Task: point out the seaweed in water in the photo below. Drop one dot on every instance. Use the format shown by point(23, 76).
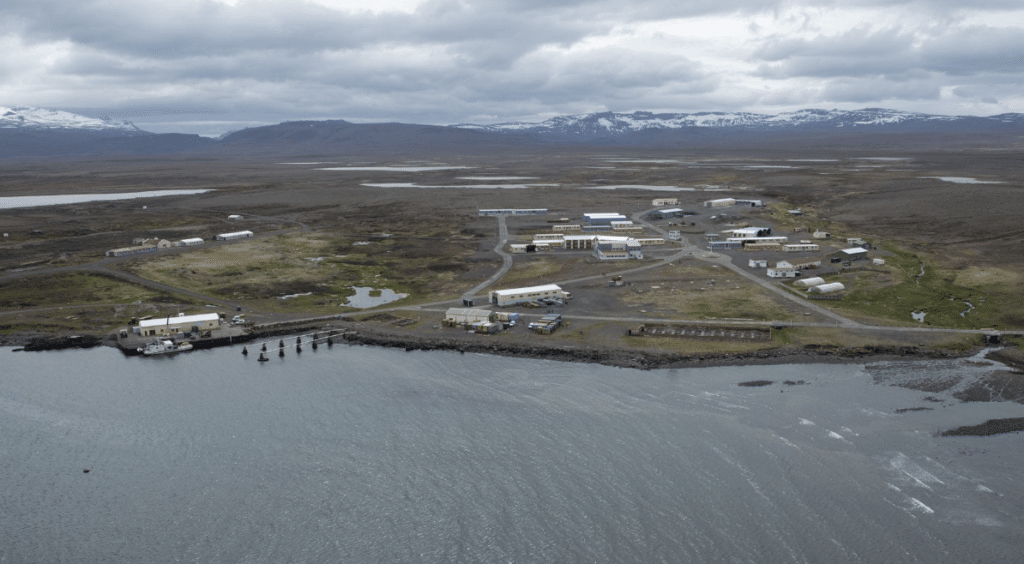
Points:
point(756, 383)
point(990, 427)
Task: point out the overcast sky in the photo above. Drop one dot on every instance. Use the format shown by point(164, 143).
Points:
point(209, 66)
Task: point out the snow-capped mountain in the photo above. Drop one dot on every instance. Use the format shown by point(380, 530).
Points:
point(609, 124)
point(43, 119)
point(38, 132)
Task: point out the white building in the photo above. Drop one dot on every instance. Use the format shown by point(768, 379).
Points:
point(777, 240)
point(799, 264)
point(151, 242)
point(752, 232)
point(549, 237)
point(665, 202)
point(650, 241)
point(757, 263)
point(603, 218)
point(194, 241)
point(467, 315)
point(800, 248)
point(519, 295)
point(580, 242)
point(618, 248)
point(567, 227)
point(720, 203)
point(783, 272)
point(235, 217)
point(181, 323)
point(808, 282)
point(125, 251)
point(235, 235)
point(510, 211)
point(675, 235)
point(856, 253)
point(821, 235)
point(827, 288)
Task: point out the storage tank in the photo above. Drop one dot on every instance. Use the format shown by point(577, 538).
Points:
point(828, 288)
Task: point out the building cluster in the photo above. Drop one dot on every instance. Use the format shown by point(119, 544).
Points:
point(142, 245)
point(623, 244)
point(148, 245)
point(479, 320)
point(669, 213)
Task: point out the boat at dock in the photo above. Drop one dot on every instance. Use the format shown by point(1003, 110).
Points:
point(164, 346)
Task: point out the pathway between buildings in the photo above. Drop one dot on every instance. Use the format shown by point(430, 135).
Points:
point(506, 262)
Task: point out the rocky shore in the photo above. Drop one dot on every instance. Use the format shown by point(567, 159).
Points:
point(647, 360)
point(623, 358)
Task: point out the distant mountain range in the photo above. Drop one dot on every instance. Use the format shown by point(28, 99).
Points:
point(609, 125)
point(35, 132)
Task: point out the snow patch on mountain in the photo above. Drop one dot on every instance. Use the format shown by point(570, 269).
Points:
point(610, 123)
point(24, 117)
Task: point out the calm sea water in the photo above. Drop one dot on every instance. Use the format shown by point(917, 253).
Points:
point(358, 454)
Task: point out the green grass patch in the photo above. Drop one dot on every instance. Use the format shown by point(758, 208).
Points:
point(75, 289)
point(935, 293)
point(325, 266)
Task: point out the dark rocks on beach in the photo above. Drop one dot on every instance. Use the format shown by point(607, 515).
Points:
point(988, 428)
point(63, 342)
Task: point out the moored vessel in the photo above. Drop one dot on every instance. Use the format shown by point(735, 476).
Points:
point(164, 346)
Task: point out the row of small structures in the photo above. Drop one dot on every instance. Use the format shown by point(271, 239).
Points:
point(142, 245)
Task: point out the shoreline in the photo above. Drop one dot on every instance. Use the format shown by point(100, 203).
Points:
point(617, 357)
point(652, 360)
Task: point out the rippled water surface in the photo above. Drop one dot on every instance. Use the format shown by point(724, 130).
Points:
point(355, 454)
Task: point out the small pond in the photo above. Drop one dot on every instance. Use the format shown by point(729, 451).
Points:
point(363, 299)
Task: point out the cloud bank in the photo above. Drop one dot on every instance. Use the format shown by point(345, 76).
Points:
point(208, 66)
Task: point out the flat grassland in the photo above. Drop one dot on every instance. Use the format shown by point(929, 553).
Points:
point(951, 248)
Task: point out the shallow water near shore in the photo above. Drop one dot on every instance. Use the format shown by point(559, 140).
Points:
point(361, 454)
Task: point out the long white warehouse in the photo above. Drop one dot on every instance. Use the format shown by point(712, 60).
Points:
point(179, 324)
point(235, 235)
point(515, 296)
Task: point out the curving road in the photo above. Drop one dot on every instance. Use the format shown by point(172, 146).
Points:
point(506, 262)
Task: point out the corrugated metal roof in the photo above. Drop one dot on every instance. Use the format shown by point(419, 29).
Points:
point(529, 290)
point(179, 320)
point(452, 311)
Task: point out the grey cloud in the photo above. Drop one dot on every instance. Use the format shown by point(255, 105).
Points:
point(867, 90)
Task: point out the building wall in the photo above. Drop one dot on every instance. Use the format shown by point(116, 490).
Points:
point(130, 251)
point(799, 248)
point(521, 297)
point(181, 327)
